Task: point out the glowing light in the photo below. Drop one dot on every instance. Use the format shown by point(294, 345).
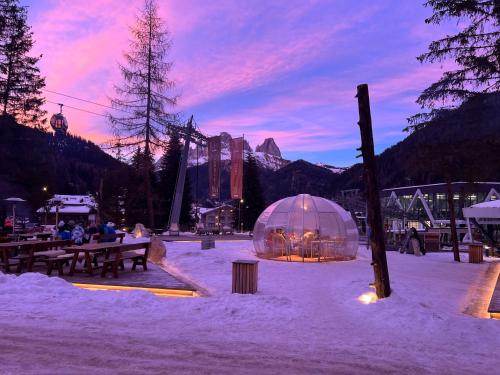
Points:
point(157, 291)
point(367, 298)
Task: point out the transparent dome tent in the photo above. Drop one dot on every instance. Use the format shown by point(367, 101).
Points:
point(305, 228)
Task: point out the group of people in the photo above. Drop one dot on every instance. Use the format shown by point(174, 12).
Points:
point(80, 234)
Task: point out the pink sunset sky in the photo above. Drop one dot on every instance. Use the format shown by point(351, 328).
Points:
point(282, 69)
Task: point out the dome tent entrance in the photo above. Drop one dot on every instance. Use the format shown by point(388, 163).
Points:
point(305, 228)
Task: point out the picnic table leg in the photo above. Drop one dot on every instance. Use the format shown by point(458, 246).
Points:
point(49, 267)
point(5, 256)
point(60, 271)
point(73, 263)
point(116, 264)
point(88, 260)
point(30, 259)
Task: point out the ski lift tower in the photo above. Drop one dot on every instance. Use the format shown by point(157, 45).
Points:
point(190, 134)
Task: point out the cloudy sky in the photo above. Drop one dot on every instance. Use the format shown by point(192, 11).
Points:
point(263, 68)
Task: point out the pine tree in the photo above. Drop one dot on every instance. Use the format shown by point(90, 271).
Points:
point(144, 92)
point(475, 50)
point(169, 168)
point(20, 80)
point(253, 198)
point(136, 193)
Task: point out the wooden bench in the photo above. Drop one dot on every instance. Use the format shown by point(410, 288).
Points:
point(116, 256)
point(494, 307)
point(58, 262)
point(38, 252)
point(108, 237)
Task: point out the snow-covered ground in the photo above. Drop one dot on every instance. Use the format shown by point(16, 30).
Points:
point(306, 318)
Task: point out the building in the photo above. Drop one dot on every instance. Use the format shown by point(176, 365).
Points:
point(427, 205)
point(80, 208)
point(217, 219)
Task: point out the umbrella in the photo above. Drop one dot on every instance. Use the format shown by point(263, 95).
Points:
point(14, 200)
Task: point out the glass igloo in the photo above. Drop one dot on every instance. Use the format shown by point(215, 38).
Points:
point(305, 228)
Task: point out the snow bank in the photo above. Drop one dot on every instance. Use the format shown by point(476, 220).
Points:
point(306, 318)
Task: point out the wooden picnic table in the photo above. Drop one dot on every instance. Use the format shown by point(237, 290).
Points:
point(88, 249)
point(40, 235)
point(114, 253)
point(29, 247)
point(111, 263)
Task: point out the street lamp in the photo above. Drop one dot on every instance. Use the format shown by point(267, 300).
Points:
point(240, 224)
point(46, 205)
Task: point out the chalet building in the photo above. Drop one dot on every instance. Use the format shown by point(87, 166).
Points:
point(80, 208)
point(217, 219)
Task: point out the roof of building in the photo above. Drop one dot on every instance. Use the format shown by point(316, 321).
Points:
point(71, 204)
point(457, 187)
point(68, 210)
point(74, 199)
point(488, 209)
point(206, 210)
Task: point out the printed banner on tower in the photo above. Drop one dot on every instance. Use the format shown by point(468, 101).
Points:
point(214, 154)
point(237, 168)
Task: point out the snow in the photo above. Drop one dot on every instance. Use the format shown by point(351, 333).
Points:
point(306, 318)
point(75, 199)
point(68, 210)
point(71, 204)
point(484, 210)
point(336, 170)
point(490, 204)
point(265, 160)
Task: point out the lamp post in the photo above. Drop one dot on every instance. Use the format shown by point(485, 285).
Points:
point(240, 224)
point(46, 206)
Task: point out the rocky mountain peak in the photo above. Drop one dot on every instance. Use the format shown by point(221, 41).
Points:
point(268, 155)
point(269, 147)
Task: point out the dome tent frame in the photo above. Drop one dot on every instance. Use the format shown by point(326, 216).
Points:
point(305, 228)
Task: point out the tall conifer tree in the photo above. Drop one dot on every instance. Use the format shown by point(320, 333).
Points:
point(143, 97)
point(253, 197)
point(474, 50)
point(20, 79)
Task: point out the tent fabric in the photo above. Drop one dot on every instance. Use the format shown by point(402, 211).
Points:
point(490, 209)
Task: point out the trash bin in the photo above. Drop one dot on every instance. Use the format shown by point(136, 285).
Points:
point(207, 243)
point(476, 253)
point(245, 274)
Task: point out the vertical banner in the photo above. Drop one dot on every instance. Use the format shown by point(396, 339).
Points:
point(214, 155)
point(237, 168)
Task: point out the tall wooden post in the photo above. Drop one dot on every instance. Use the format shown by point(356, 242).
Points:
point(374, 216)
point(175, 212)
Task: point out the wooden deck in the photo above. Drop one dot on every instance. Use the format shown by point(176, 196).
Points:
point(154, 280)
point(494, 308)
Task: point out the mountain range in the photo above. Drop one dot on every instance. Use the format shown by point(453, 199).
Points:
point(471, 134)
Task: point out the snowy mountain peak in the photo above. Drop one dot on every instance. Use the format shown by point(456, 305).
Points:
point(332, 168)
point(267, 155)
point(269, 147)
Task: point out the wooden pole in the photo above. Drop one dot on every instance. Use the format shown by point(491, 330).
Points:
point(453, 222)
point(374, 216)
